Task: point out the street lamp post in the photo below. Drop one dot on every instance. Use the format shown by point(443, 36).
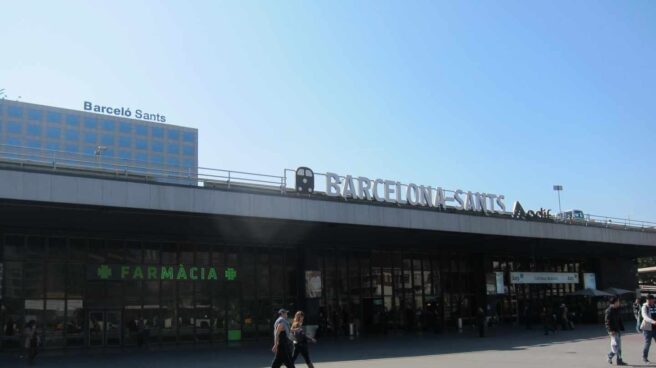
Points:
point(98, 152)
point(558, 189)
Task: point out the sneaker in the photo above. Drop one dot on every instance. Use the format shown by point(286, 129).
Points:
point(610, 360)
point(645, 360)
point(620, 362)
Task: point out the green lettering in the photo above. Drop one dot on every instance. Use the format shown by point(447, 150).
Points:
point(125, 271)
point(152, 273)
point(138, 273)
point(202, 273)
point(182, 274)
point(211, 275)
point(167, 273)
point(192, 273)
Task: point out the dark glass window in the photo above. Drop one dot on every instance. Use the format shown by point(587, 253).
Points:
point(15, 112)
point(72, 148)
point(14, 127)
point(107, 139)
point(124, 141)
point(141, 130)
point(54, 146)
point(54, 117)
point(90, 123)
point(173, 134)
point(73, 120)
point(173, 149)
point(34, 130)
point(108, 125)
point(188, 136)
point(157, 146)
point(33, 143)
point(188, 150)
point(142, 144)
point(54, 133)
point(173, 161)
point(125, 127)
point(157, 132)
point(34, 114)
point(72, 135)
point(90, 137)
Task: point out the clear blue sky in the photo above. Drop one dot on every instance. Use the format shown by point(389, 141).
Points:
point(503, 97)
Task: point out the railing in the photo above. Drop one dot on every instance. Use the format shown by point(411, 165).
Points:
point(99, 165)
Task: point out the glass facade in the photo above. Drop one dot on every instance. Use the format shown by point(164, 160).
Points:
point(115, 143)
point(67, 286)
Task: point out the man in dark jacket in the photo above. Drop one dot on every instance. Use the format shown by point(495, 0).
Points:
point(614, 326)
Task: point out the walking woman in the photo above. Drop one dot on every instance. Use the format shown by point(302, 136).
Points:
point(300, 339)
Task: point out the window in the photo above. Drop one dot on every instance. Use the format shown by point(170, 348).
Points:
point(173, 161)
point(124, 141)
point(108, 125)
point(107, 139)
point(173, 149)
point(141, 130)
point(14, 127)
point(34, 114)
point(34, 130)
point(124, 155)
point(90, 123)
point(72, 135)
point(174, 134)
point(52, 146)
point(72, 148)
point(142, 144)
point(72, 120)
point(90, 137)
point(125, 127)
point(188, 150)
point(188, 163)
point(13, 141)
point(54, 117)
point(141, 156)
point(157, 159)
point(157, 146)
point(89, 150)
point(15, 112)
point(33, 143)
point(188, 136)
point(53, 133)
point(157, 132)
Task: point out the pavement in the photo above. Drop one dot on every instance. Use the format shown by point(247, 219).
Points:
point(584, 347)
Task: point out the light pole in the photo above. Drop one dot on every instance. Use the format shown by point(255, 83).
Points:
point(558, 189)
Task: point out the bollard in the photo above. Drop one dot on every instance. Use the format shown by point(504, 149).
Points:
point(460, 325)
point(351, 329)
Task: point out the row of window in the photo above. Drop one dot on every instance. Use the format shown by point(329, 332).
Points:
point(74, 136)
point(105, 124)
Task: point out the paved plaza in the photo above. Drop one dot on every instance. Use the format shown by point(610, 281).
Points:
point(584, 347)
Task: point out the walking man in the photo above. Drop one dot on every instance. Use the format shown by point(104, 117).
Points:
point(614, 326)
point(636, 314)
point(282, 345)
point(648, 313)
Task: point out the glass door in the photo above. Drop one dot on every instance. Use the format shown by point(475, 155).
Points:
point(104, 328)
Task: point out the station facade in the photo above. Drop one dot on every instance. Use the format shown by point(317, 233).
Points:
point(95, 258)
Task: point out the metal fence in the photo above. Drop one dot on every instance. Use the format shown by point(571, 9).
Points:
point(99, 165)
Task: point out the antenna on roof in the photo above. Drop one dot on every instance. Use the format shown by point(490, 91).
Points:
point(2, 93)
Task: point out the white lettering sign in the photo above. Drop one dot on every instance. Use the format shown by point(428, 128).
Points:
point(390, 191)
point(544, 278)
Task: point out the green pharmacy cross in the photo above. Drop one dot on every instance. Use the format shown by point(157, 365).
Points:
point(230, 274)
point(104, 272)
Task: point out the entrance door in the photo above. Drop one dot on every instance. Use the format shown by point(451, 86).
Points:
point(104, 328)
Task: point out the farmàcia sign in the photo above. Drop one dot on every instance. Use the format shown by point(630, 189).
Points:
point(390, 191)
point(118, 272)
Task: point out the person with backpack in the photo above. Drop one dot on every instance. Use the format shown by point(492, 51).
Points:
point(614, 326)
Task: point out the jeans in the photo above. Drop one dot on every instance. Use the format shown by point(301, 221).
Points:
point(616, 345)
point(648, 335)
point(302, 349)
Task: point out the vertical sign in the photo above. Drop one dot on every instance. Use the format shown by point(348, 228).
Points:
point(589, 281)
point(313, 284)
point(501, 287)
